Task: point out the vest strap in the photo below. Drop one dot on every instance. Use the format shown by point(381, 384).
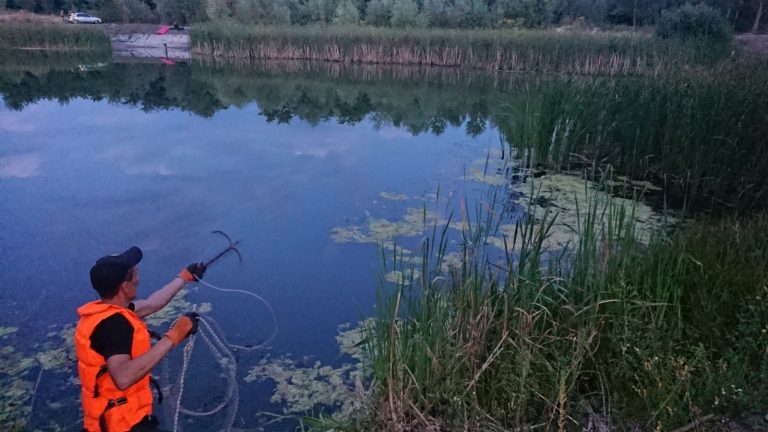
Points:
point(102, 370)
point(111, 404)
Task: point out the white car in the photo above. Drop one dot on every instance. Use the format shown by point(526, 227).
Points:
point(83, 18)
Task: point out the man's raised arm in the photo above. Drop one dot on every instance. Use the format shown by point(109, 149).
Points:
point(160, 298)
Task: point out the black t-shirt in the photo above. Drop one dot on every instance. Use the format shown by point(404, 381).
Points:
point(112, 336)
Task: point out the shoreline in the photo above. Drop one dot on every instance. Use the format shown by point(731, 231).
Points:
point(547, 50)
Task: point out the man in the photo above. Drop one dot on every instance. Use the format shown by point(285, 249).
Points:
point(114, 353)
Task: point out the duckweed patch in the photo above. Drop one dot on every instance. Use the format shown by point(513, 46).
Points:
point(379, 231)
point(402, 277)
point(391, 196)
point(17, 384)
point(5, 331)
point(57, 353)
point(21, 370)
point(568, 195)
point(300, 389)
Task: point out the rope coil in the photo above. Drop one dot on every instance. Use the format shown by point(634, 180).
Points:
point(223, 352)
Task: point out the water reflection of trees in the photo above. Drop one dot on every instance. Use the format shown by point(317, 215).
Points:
point(419, 100)
point(647, 128)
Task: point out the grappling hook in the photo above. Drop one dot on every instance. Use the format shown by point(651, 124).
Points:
point(231, 247)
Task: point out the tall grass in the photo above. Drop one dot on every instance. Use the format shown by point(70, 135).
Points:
point(701, 136)
point(53, 37)
point(541, 51)
point(608, 333)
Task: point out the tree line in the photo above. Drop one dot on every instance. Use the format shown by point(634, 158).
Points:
point(744, 15)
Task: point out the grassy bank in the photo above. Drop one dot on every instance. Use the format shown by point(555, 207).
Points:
point(542, 51)
point(701, 136)
point(51, 37)
point(610, 333)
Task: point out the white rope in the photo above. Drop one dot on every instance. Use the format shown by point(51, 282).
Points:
point(257, 297)
point(222, 351)
point(187, 355)
point(222, 356)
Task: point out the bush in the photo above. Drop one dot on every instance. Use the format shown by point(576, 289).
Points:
point(693, 22)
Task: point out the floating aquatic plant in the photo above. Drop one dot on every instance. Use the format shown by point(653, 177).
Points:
point(300, 389)
point(17, 384)
point(401, 277)
point(567, 195)
point(391, 196)
point(4, 331)
point(378, 231)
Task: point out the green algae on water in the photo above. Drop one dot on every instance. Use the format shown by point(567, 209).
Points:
point(567, 196)
point(391, 196)
point(413, 223)
point(5, 331)
point(402, 277)
point(16, 384)
point(57, 352)
point(300, 389)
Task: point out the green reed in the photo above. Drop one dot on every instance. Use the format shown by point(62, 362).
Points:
point(52, 37)
point(609, 329)
point(700, 135)
point(543, 51)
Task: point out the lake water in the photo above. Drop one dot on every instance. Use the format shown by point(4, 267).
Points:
point(302, 165)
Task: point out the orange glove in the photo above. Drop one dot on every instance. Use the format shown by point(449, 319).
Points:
point(192, 272)
point(184, 326)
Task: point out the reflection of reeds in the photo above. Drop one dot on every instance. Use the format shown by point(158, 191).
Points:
point(320, 71)
point(52, 37)
point(40, 62)
point(607, 330)
point(612, 54)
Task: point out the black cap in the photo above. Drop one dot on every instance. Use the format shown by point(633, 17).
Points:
point(112, 270)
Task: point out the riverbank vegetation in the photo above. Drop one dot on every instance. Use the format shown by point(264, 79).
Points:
point(541, 51)
point(610, 333)
point(700, 136)
point(51, 37)
point(741, 15)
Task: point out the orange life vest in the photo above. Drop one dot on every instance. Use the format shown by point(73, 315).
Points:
point(104, 405)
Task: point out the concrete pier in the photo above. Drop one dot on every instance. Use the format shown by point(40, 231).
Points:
point(174, 46)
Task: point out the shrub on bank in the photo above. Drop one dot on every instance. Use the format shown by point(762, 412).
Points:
point(694, 22)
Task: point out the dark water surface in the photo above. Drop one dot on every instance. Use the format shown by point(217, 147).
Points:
point(96, 158)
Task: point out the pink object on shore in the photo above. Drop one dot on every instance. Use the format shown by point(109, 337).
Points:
point(163, 30)
point(167, 61)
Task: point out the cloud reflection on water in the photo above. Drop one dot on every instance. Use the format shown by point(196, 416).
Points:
point(20, 166)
